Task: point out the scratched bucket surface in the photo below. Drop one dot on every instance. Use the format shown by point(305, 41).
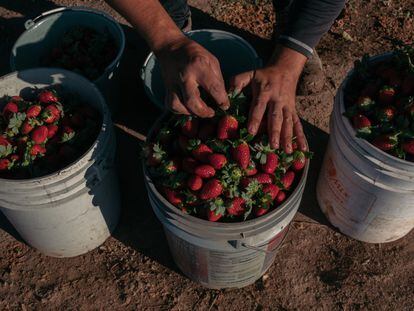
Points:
point(223, 255)
point(364, 192)
point(74, 210)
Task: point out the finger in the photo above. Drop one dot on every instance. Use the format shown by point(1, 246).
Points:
point(287, 131)
point(172, 101)
point(257, 110)
point(192, 100)
point(214, 85)
point(298, 131)
point(239, 82)
point(274, 124)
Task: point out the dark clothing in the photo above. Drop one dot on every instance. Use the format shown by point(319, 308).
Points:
point(307, 20)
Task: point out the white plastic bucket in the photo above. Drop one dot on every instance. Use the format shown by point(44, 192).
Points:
point(224, 255)
point(74, 210)
point(363, 191)
point(43, 32)
point(234, 53)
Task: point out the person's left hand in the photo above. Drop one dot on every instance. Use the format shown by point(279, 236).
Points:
point(274, 90)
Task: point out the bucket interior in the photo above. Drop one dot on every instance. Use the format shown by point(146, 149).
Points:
point(234, 54)
point(35, 43)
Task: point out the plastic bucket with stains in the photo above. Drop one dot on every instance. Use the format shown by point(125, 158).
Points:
point(43, 33)
point(74, 210)
point(223, 255)
point(234, 53)
point(363, 191)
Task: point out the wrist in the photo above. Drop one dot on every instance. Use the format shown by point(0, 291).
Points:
point(288, 61)
point(167, 41)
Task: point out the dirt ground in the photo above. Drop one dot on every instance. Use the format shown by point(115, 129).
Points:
point(316, 268)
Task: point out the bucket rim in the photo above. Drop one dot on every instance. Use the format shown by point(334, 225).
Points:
point(45, 16)
point(339, 103)
point(280, 210)
point(106, 121)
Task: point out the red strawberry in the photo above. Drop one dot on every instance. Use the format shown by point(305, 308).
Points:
point(172, 166)
point(5, 164)
point(206, 130)
point(27, 127)
point(4, 141)
point(217, 160)
point(386, 114)
point(385, 142)
point(172, 196)
point(211, 189)
point(37, 149)
point(39, 134)
point(236, 207)
point(241, 154)
point(299, 162)
point(227, 127)
point(77, 120)
point(195, 183)
point(154, 154)
point(263, 178)
point(216, 210)
point(33, 111)
point(189, 126)
point(16, 99)
point(201, 152)
point(260, 210)
point(365, 103)
point(361, 122)
point(9, 109)
point(272, 161)
point(408, 146)
point(46, 97)
point(407, 87)
point(251, 169)
point(281, 196)
point(51, 130)
point(67, 133)
point(205, 171)
point(386, 95)
point(272, 189)
point(189, 165)
point(287, 180)
point(51, 114)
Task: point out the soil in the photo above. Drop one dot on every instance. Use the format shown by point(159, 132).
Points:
point(316, 268)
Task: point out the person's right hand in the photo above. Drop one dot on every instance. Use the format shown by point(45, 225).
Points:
point(186, 66)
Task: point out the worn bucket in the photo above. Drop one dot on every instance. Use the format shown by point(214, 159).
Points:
point(234, 53)
point(74, 210)
point(43, 32)
point(223, 255)
point(363, 191)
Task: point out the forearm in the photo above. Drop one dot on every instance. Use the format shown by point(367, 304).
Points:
point(308, 21)
point(150, 19)
point(288, 61)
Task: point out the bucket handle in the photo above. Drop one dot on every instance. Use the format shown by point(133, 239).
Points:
point(257, 248)
point(31, 22)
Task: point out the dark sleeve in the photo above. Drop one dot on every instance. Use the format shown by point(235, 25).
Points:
point(308, 21)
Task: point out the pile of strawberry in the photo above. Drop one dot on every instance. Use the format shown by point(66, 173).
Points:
point(42, 134)
point(213, 169)
point(380, 103)
point(83, 50)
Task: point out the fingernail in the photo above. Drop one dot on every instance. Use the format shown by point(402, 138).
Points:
point(252, 130)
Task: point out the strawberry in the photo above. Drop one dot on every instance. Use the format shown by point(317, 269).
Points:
point(4, 141)
point(299, 161)
point(39, 134)
point(361, 122)
point(386, 114)
point(272, 161)
point(16, 99)
point(52, 129)
point(262, 178)
point(365, 103)
point(385, 142)
point(408, 146)
point(189, 165)
point(173, 196)
point(217, 160)
point(386, 95)
point(33, 111)
point(5, 164)
point(14, 157)
point(407, 87)
point(260, 210)
point(9, 109)
point(236, 206)
point(271, 189)
point(27, 127)
point(51, 114)
point(206, 130)
point(67, 134)
point(195, 182)
point(46, 97)
point(241, 154)
point(215, 210)
point(189, 126)
point(200, 151)
point(287, 180)
point(211, 189)
point(227, 127)
point(77, 120)
point(37, 149)
point(171, 167)
point(154, 154)
point(281, 196)
point(251, 169)
point(205, 171)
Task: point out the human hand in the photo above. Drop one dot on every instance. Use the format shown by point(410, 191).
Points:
point(273, 90)
point(186, 66)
